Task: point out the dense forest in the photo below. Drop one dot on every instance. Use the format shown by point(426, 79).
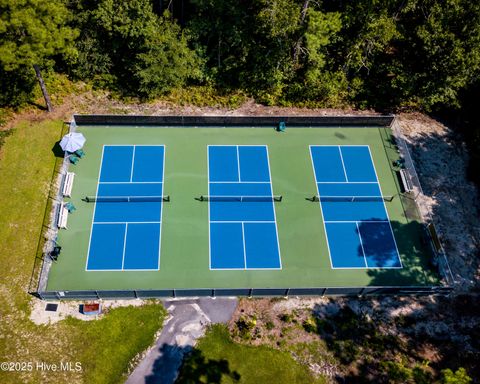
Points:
point(388, 55)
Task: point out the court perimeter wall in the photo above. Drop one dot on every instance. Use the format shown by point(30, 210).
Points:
point(252, 292)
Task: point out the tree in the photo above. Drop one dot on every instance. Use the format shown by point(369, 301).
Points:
point(32, 32)
point(458, 377)
point(135, 50)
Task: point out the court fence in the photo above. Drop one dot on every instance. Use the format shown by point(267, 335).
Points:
point(244, 292)
point(232, 121)
point(47, 238)
point(412, 203)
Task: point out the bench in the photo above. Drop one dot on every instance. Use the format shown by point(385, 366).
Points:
point(407, 184)
point(68, 184)
point(62, 216)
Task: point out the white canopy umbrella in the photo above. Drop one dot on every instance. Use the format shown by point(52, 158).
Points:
point(72, 142)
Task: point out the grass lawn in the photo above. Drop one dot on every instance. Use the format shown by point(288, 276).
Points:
point(105, 347)
point(217, 359)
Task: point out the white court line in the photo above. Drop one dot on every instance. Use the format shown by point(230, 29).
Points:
point(356, 221)
point(273, 207)
point(124, 245)
point(320, 205)
point(347, 182)
point(128, 222)
point(130, 182)
point(385, 207)
point(133, 164)
point(361, 244)
point(343, 164)
point(239, 182)
point(238, 222)
point(162, 208)
point(209, 222)
point(238, 165)
point(244, 247)
point(94, 207)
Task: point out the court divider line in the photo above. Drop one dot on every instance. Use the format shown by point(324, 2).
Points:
point(238, 166)
point(361, 244)
point(133, 164)
point(209, 222)
point(124, 245)
point(273, 207)
point(162, 208)
point(343, 164)
point(244, 247)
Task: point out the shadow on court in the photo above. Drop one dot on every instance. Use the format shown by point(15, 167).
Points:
point(416, 256)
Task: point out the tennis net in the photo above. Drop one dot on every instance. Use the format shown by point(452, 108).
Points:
point(125, 199)
point(240, 199)
point(352, 199)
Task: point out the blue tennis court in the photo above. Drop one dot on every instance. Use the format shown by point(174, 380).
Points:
point(358, 230)
point(127, 216)
point(243, 227)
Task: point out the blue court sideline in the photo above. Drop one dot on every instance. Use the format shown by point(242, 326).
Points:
point(243, 235)
point(126, 235)
point(359, 233)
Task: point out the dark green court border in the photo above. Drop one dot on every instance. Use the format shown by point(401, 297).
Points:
point(338, 123)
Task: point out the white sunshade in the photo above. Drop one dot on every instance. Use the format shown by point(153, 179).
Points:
point(72, 142)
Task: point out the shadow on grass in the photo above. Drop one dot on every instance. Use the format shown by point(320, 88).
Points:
point(57, 150)
point(196, 368)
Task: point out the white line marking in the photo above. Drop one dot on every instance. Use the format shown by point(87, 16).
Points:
point(386, 212)
point(347, 182)
point(238, 165)
point(246, 221)
point(244, 247)
point(343, 164)
point(209, 222)
point(128, 222)
point(361, 244)
point(320, 205)
point(239, 182)
point(273, 206)
point(94, 207)
point(133, 164)
point(161, 207)
point(356, 221)
point(124, 245)
point(131, 182)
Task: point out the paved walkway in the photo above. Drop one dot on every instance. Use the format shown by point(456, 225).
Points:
point(186, 323)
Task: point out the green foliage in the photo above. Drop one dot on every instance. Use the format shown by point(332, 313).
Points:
point(106, 346)
point(269, 325)
point(460, 376)
point(218, 357)
point(127, 47)
point(31, 32)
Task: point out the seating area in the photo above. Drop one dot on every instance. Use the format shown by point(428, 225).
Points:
point(407, 184)
point(62, 216)
point(68, 184)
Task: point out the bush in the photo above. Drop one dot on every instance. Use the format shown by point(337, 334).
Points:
point(269, 325)
point(310, 325)
point(460, 376)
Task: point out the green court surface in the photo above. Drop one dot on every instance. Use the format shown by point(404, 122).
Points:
point(184, 257)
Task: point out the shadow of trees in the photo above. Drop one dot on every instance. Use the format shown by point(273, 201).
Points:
point(376, 344)
point(195, 368)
